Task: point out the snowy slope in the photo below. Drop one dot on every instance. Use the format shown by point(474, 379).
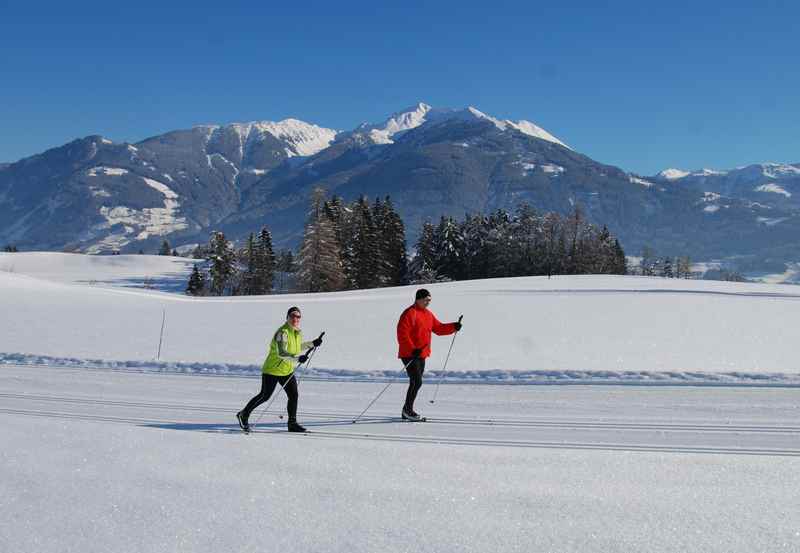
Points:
point(115, 458)
point(414, 116)
point(158, 272)
point(301, 138)
point(566, 328)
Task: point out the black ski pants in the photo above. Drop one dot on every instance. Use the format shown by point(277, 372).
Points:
point(414, 368)
point(268, 383)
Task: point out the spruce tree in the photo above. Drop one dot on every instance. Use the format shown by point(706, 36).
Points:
point(367, 260)
point(223, 269)
point(265, 263)
point(249, 285)
point(474, 231)
point(165, 248)
point(319, 261)
point(498, 250)
point(449, 249)
point(393, 244)
point(197, 283)
point(525, 241)
point(422, 267)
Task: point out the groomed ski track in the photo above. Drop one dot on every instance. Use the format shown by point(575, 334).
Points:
point(527, 426)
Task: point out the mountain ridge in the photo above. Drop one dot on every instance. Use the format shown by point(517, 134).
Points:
point(96, 195)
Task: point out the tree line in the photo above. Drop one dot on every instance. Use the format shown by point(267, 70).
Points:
point(525, 243)
point(361, 244)
point(351, 246)
point(254, 269)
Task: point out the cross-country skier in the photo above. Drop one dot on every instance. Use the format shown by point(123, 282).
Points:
point(414, 337)
point(284, 351)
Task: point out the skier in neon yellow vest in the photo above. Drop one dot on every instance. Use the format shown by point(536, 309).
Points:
point(285, 351)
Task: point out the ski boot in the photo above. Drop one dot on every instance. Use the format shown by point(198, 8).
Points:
point(243, 424)
point(294, 426)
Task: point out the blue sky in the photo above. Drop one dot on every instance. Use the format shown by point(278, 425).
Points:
point(640, 85)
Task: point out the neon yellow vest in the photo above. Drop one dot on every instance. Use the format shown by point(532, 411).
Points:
point(273, 364)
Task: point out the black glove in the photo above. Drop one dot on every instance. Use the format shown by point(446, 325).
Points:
point(303, 358)
point(317, 342)
point(458, 326)
point(416, 353)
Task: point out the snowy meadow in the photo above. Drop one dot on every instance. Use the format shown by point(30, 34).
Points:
point(577, 414)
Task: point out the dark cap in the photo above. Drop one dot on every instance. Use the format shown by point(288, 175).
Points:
point(292, 310)
point(422, 293)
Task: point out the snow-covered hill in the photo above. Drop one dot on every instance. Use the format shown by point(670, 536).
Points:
point(105, 449)
point(587, 328)
point(155, 272)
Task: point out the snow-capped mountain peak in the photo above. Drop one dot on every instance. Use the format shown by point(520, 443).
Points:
point(301, 138)
point(531, 129)
point(755, 172)
point(410, 118)
point(398, 122)
point(779, 170)
point(305, 139)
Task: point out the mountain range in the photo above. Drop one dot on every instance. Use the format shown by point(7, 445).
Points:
point(97, 196)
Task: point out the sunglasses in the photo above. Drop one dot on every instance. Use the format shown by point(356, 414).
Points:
point(293, 316)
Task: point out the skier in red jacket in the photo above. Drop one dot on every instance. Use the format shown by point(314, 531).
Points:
point(414, 337)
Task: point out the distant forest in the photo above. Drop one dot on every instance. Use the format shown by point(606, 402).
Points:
point(361, 244)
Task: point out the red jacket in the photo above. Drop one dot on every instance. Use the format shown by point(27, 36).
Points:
point(414, 331)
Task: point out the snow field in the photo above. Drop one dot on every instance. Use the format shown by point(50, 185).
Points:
point(133, 456)
point(621, 329)
point(98, 460)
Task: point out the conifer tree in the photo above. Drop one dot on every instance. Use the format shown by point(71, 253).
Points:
point(422, 268)
point(393, 244)
point(525, 241)
point(223, 267)
point(249, 285)
point(319, 261)
point(367, 262)
point(498, 251)
point(474, 231)
point(264, 263)
point(165, 248)
point(197, 283)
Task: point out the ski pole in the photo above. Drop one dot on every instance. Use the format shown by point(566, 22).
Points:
point(310, 355)
point(355, 420)
point(444, 367)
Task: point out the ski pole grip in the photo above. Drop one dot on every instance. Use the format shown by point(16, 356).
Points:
point(314, 347)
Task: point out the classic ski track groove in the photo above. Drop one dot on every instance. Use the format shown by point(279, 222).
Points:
point(778, 452)
point(234, 430)
point(676, 427)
